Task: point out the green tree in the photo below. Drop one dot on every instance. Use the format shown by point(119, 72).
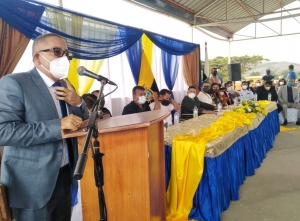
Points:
point(247, 63)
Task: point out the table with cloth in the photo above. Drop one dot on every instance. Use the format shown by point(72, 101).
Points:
point(207, 159)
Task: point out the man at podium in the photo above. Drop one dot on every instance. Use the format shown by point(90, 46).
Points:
point(38, 164)
point(139, 103)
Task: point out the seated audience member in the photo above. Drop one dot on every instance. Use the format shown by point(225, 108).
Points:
point(190, 101)
point(280, 83)
point(263, 92)
point(139, 104)
point(245, 94)
point(227, 94)
point(96, 93)
point(288, 98)
point(216, 96)
point(90, 99)
point(298, 86)
point(166, 102)
point(252, 87)
point(232, 91)
point(204, 95)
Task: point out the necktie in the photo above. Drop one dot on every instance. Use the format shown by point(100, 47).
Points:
point(61, 103)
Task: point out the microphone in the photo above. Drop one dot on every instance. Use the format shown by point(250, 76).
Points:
point(82, 71)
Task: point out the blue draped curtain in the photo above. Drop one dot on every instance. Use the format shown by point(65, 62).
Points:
point(92, 38)
point(134, 56)
point(170, 65)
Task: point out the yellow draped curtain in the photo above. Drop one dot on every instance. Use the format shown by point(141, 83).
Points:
point(190, 66)
point(83, 84)
point(13, 44)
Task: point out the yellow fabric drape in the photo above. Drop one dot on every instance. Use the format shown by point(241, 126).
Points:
point(13, 44)
point(187, 165)
point(146, 77)
point(283, 129)
point(83, 84)
point(186, 172)
point(148, 47)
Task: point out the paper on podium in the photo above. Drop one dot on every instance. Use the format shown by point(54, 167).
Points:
point(82, 129)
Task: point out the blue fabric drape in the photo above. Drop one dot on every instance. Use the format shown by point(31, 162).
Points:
point(223, 175)
point(170, 65)
point(171, 45)
point(22, 16)
point(134, 56)
point(87, 37)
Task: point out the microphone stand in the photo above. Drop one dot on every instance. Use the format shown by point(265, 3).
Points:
point(96, 155)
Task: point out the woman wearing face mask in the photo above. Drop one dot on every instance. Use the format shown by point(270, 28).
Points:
point(280, 83)
point(204, 94)
point(215, 94)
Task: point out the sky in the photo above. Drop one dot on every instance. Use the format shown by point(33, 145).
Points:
point(276, 49)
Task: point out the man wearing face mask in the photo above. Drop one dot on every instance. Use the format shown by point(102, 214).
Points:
point(166, 102)
point(230, 93)
point(139, 103)
point(263, 92)
point(190, 101)
point(214, 78)
point(38, 164)
point(204, 95)
point(268, 76)
point(288, 98)
point(292, 73)
point(244, 93)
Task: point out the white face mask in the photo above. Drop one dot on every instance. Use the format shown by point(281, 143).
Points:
point(59, 67)
point(257, 84)
point(221, 93)
point(244, 87)
point(229, 88)
point(192, 95)
point(142, 99)
point(281, 83)
point(267, 88)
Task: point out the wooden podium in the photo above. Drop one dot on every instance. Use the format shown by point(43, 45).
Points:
point(134, 178)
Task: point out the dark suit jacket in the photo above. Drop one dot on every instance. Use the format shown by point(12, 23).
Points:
point(31, 133)
point(262, 93)
point(188, 104)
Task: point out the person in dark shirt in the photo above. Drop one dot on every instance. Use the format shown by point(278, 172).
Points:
point(190, 101)
point(268, 76)
point(264, 90)
point(139, 104)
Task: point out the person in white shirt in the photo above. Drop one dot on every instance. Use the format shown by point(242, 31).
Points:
point(245, 94)
point(204, 95)
point(166, 102)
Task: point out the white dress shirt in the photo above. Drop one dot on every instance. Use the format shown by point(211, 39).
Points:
point(246, 94)
point(205, 98)
point(49, 82)
point(170, 107)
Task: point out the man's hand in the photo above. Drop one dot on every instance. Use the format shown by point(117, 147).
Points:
point(294, 105)
point(155, 96)
point(283, 103)
point(71, 122)
point(208, 112)
point(68, 94)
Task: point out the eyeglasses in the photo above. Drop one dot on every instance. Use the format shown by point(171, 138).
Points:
point(59, 52)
